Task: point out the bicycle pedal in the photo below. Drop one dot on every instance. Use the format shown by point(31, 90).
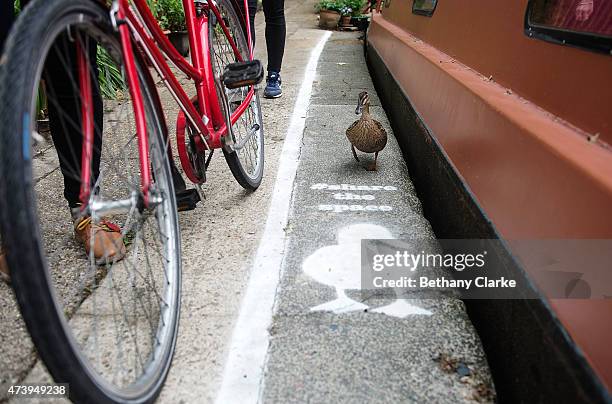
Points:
point(187, 199)
point(242, 74)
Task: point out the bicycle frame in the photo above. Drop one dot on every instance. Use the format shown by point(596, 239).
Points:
point(207, 120)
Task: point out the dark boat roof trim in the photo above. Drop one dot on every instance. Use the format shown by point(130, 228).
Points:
point(583, 40)
point(426, 13)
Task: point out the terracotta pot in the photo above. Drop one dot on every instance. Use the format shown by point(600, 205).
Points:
point(328, 19)
point(180, 40)
point(345, 21)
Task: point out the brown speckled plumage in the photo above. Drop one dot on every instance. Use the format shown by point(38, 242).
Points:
point(366, 134)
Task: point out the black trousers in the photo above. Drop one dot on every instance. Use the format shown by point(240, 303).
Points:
point(276, 30)
point(64, 106)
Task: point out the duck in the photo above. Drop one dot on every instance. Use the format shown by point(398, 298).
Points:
point(366, 134)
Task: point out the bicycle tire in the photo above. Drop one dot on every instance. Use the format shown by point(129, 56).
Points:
point(236, 159)
point(19, 222)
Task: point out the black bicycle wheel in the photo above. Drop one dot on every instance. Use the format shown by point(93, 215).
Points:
point(107, 327)
point(247, 161)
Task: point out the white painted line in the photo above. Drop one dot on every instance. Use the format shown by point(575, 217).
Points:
point(244, 369)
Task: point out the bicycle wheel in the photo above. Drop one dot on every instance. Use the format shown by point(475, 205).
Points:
point(108, 328)
point(246, 163)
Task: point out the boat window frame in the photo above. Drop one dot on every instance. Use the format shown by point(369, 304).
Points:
point(560, 36)
point(424, 13)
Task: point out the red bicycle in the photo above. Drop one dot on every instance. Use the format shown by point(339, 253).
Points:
point(80, 106)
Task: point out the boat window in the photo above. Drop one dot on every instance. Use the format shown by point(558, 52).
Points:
point(424, 7)
point(583, 23)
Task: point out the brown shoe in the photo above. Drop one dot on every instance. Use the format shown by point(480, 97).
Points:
point(5, 274)
point(107, 244)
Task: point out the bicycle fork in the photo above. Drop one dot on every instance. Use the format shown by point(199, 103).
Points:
point(94, 206)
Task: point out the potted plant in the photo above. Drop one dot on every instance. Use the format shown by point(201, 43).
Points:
point(358, 18)
point(329, 13)
point(171, 18)
point(345, 12)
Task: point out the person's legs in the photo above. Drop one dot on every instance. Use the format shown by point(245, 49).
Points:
point(64, 105)
point(274, 11)
point(61, 79)
point(64, 109)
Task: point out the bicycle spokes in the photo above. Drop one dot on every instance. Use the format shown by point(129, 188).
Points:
point(121, 309)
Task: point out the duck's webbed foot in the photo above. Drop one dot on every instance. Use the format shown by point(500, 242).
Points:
point(372, 167)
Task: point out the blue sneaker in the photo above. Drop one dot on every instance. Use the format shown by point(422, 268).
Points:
point(273, 85)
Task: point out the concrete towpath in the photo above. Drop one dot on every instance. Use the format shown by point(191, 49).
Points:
point(312, 344)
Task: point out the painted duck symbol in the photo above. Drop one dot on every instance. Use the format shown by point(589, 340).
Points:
point(339, 266)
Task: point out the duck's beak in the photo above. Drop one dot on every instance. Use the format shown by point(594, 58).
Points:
point(359, 109)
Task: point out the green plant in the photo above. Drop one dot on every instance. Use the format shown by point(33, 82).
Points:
point(17, 6)
point(355, 5)
point(169, 14)
point(330, 5)
point(41, 103)
point(110, 78)
point(154, 7)
point(344, 7)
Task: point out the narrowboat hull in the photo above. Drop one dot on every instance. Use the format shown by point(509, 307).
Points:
point(507, 136)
